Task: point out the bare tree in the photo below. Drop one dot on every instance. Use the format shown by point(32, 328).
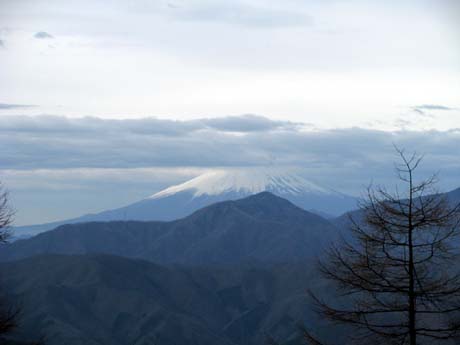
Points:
point(9, 314)
point(397, 270)
point(6, 216)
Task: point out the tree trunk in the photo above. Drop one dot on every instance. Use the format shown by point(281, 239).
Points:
point(411, 294)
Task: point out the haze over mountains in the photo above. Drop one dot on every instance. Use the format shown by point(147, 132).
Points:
point(182, 200)
point(259, 228)
point(231, 273)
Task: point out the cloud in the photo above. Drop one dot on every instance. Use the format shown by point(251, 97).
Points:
point(238, 13)
point(145, 126)
point(418, 111)
point(424, 109)
point(60, 142)
point(248, 123)
point(52, 142)
point(432, 107)
point(2, 44)
point(58, 158)
point(14, 106)
point(43, 35)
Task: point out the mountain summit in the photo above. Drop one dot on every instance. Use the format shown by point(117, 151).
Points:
point(245, 181)
point(220, 185)
point(261, 228)
point(231, 184)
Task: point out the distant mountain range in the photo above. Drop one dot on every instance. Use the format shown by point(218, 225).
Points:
point(259, 228)
point(182, 200)
point(454, 196)
point(343, 221)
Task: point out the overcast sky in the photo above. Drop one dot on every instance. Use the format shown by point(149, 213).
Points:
point(332, 63)
point(105, 102)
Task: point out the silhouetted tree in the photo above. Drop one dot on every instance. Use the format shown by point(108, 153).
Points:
point(6, 216)
point(398, 271)
point(9, 314)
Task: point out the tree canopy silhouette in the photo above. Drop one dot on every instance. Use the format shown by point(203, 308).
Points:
point(396, 273)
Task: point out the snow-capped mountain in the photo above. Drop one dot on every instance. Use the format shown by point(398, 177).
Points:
point(221, 185)
point(245, 181)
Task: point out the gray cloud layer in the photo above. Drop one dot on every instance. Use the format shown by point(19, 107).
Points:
point(59, 142)
point(74, 164)
point(43, 35)
point(432, 107)
point(14, 106)
point(425, 109)
point(147, 126)
point(51, 142)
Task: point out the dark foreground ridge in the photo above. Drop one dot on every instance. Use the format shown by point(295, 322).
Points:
point(109, 300)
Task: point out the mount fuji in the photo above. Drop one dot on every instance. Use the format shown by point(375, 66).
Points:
point(219, 185)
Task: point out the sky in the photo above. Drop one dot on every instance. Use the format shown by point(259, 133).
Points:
point(105, 102)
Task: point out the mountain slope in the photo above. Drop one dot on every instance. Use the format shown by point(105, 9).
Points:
point(262, 227)
point(182, 200)
point(104, 300)
point(343, 221)
point(454, 196)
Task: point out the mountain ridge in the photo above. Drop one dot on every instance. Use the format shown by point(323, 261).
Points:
point(262, 227)
point(104, 299)
point(182, 200)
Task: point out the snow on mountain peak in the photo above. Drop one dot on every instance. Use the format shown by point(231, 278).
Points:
point(245, 181)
